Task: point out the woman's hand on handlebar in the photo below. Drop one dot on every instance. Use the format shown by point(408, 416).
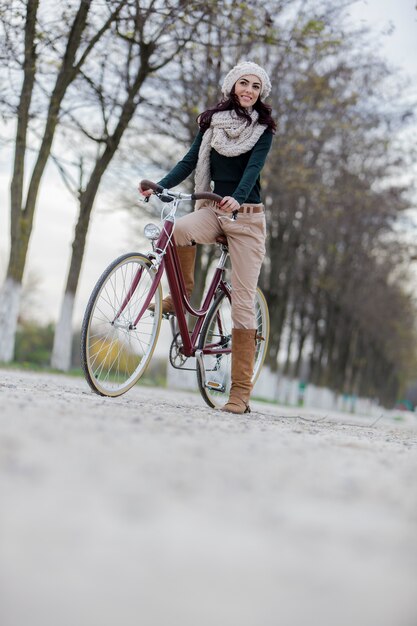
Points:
point(145, 192)
point(229, 204)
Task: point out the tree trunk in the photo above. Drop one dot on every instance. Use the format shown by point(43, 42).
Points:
point(287, 366)
point(19, 233)
point(61, 352)
point(9, 312)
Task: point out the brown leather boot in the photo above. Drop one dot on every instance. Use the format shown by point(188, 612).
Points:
point(186, 256)
point(243, 358)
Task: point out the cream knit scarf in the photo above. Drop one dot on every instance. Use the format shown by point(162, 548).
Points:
point(229, 135)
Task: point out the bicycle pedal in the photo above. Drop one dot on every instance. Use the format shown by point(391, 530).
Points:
point(213, 385)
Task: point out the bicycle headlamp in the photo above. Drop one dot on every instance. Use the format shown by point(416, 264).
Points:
point(151, 231)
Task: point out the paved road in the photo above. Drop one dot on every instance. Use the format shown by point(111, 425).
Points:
point(152, 510)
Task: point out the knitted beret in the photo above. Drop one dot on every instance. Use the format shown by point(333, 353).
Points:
point(243, 69)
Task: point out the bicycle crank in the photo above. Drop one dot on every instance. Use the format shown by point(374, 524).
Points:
point(176, 357)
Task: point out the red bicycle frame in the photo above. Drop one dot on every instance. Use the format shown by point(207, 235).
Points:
point(180, 299)
point(166, 253)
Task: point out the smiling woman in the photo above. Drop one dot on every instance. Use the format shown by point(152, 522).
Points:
point(228, 155)
point(247, 90)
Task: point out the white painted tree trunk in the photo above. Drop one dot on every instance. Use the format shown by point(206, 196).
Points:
point(61, 352)
point(9, 313)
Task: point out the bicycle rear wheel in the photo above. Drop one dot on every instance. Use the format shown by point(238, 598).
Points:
point(216, 343)
point(114, 351)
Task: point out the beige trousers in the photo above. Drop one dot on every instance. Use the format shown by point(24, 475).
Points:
point(246, 241)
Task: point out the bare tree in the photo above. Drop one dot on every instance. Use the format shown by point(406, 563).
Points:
point(34, 45)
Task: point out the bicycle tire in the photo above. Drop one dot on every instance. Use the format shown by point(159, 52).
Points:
point(114, 353)
point(215, 385)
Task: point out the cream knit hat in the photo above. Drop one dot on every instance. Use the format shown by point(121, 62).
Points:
point(243, 69)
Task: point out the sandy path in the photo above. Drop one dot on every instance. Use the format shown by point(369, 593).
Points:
point(152, 510)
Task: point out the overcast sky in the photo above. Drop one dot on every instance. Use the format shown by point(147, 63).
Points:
point(400, 15)
point(395, 21)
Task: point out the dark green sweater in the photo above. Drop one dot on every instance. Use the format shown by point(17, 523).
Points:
point(237, 176)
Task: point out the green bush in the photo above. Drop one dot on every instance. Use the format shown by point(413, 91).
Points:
point(34, 344)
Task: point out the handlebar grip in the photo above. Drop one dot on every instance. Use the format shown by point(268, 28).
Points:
point(206, 195)
point(148, 184)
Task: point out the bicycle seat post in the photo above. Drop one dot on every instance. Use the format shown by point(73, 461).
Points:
point(223, 257)
point(173, 324)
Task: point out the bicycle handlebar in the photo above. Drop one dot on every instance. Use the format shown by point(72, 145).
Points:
point(200, 195)
point(148, 184)
point(206, 195)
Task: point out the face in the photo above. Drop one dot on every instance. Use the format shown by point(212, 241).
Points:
point(247, 90)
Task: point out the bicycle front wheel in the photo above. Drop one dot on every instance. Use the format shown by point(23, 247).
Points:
point(216, 345)
point(114, 350)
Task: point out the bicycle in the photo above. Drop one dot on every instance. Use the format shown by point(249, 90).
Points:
point(119, 332)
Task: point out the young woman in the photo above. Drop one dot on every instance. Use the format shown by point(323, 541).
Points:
point(228, 155)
